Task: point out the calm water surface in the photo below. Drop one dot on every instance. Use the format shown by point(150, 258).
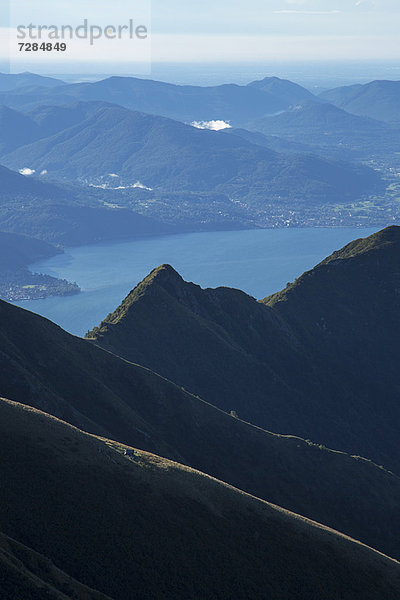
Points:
point(259, 262)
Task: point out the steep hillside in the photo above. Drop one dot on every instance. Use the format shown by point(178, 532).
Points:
point(149, 528)
point(28, 575)
point(45, 367)
point(319, 360)
point(377, 99)
point(169, 156)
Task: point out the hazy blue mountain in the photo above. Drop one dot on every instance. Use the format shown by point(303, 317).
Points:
point(327, 125)
point(19, 129)
point(377, 100)
point(53, 119)
point(18, 251)
point(14, 184)
point(11, 81)
point(168, 155)
point(59, 215)
point(229, 102)
point(287, 146)
point(290, 93)
point(16, 130)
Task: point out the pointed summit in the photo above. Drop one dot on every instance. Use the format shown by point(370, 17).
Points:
point(306, 360)
point(163, 279)
point(164, 274)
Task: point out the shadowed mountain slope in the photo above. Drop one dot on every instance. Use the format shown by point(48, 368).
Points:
point(45, 367)
point(148, 528)
point(319, 360)
point(28, 575)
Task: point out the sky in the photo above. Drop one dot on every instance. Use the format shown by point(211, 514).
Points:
point(278, 29)
point(222, 30)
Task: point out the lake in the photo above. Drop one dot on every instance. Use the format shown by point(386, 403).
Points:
point(259, 262)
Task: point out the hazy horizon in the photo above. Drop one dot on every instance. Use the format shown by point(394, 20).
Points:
point(314, 75)
point(259, 32)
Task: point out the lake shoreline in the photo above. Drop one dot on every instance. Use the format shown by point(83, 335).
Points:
point(257, 261)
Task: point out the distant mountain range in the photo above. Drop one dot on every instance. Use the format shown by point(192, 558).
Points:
point(306, 361)
point(288, 158)
point(331, 127)
point(377, 100)
point(166, 155)
point(227, 102)
point(288, 92)
point(24, 81)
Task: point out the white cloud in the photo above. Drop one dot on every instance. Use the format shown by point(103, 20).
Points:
point(27, 171)
point(213, 125)
point(105, 186)
point(44, 172)
point(141, 186)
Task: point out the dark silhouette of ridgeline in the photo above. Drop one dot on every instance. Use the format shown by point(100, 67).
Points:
point(319, 359)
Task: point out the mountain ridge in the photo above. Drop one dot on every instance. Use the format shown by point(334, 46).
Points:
point(167, 155)
point(229, 102)
point(281, 355)
point(44, 367)
point(378, 99)
point(165, 527)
